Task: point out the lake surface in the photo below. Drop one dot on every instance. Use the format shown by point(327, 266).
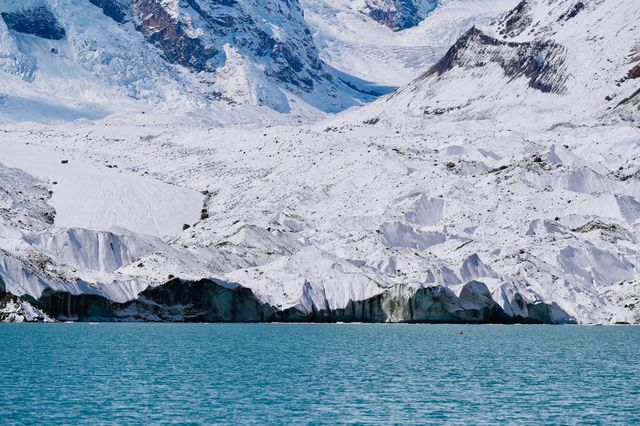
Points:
point(306, 373)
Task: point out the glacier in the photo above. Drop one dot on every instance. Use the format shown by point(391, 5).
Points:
point(499, 183)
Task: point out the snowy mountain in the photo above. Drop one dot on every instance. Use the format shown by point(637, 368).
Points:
point(582, 53)
point(351, 41)
point(76, 57)
point(501, 184)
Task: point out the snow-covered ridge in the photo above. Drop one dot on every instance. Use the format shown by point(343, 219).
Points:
point(354, 43)
point(579, 57)
point(542, 63)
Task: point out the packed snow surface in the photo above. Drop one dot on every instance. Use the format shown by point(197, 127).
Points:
point(93, 194)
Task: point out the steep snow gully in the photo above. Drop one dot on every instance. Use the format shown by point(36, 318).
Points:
point(236, 161)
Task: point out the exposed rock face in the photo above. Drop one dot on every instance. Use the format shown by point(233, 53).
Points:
point(171, 37)
point(114, 9)
point(634, 98)
point(208, 301)
point(633, 74)
point(516, 21)
point(194, 36)
point(545, 44)
point(572, 12)
point(398, 14)
point(38, 21)
point(541, 62)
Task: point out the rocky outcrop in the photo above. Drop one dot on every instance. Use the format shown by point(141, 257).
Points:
point(572, 12)
point(516, 21)
point(19, 309)
point(38, 21)
point(540, 62)
point(399, 14)
point(171, 37)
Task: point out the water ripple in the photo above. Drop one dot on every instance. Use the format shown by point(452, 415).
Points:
point(301, 374)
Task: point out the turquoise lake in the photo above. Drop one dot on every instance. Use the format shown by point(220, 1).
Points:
point(317, 373)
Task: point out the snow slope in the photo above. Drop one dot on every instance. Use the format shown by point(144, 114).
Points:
point(99, 195)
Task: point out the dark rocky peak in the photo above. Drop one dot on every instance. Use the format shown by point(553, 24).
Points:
point(399, 14)
point(538, 17)
point(542, 62)
point(516, 21)
point(37, 20)
point(634, 58)
point(572, 12)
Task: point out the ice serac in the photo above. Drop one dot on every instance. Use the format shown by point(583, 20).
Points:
point(194, 33)
point(175, 301)
point(210, 301)
point(501, 187)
